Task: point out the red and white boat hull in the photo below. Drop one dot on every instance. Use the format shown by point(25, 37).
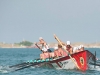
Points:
point(82, 59)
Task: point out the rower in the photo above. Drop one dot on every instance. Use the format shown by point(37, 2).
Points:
point(52, 54)
point(45, 49)
point(44, 55)
point(75, 50)
point(56, 52)
point(68, 47)
point(61, 52)
point(44, 45)
point(81, 48)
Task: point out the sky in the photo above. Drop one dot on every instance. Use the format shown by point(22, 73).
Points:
point(73, 20)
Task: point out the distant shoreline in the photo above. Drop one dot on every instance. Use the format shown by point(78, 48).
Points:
point(51, 45)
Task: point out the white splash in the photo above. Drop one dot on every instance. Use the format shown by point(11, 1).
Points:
point(5, 69)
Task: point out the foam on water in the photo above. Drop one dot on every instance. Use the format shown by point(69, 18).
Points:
point(97, 68)
point(4, 69)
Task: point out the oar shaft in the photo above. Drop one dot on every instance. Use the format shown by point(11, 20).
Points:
point(95, 59)
point(38, 47)
point(66, 51)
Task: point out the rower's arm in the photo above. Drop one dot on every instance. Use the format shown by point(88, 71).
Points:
point(45, 45)
point(39, 43)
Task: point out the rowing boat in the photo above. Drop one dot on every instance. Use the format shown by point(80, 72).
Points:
point(83, 60)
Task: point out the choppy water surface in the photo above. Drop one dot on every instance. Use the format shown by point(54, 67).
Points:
point(14, 56)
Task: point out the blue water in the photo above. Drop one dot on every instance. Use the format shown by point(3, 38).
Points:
point(12, 56)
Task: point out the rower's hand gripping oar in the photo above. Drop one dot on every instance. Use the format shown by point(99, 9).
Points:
point(66, 51)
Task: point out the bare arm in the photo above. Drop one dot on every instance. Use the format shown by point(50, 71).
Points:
point(38, 43)
point(71, 50)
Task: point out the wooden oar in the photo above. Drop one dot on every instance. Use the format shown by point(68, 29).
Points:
point(38, 47)
point(24, 65)
point(66, 51)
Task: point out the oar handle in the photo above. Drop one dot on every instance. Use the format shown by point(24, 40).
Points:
point(66, 51)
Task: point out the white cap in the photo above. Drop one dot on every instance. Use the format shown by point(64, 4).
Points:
point(40, 38)
point(68, 42)
point(55, 48)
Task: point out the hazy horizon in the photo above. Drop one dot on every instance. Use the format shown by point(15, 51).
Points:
point(77, 21)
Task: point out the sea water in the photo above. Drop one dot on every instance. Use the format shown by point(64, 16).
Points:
point(12, 56)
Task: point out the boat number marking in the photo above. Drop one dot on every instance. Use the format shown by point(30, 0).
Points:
point(60, 63)
point(63, 63)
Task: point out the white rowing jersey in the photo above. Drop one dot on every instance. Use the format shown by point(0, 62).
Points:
point(45, 48)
